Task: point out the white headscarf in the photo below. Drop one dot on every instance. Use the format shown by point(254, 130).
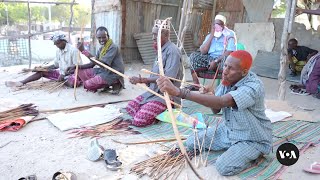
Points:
point(58, 36)
point(221, 18)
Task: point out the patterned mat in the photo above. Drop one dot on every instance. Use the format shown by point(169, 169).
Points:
point(301, 133)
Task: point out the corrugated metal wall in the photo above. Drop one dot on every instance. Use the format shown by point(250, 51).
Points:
point(108, 14)
point(232, 9)
point(127, 17)
point(138, 17)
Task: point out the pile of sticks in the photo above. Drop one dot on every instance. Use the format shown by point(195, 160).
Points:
point(22, 110)
point(35, 69)
point(48, 86)
point(115, 127)
point(164, 166)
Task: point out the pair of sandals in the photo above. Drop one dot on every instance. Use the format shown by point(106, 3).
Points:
point(60, 175)
point(97, 152)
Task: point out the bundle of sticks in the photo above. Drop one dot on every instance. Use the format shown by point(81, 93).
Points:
point(117, 126)
point(35, 69)
point(49, 86)
point(164, 166)
point(22, 110)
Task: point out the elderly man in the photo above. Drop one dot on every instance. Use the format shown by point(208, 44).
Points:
point(298, 56)
point(66, 56)
point(147, 106)
point(101, 78)
point(245, 132)
point(215, 48)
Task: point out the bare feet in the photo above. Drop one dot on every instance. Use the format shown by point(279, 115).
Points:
point(13, 84)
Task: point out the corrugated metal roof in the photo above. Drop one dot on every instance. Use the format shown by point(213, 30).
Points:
point(144, 42)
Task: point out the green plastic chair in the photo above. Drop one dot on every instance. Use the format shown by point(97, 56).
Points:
point(241, 46)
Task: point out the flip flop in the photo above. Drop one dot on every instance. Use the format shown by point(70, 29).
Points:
point(95, 150)
point(300, 91)
point(31, 177)
point(111, 159)
point(60, 175)
point(314, 168)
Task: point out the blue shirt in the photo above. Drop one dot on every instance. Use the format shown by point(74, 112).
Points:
point(247, 121)
point(217, 44)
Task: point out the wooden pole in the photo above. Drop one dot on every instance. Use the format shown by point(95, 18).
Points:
point(29, 34)
point(186, 23)
point(214, 2)
point(287, 27)
point(93, 29)
point(71, 17)
point(182, 20)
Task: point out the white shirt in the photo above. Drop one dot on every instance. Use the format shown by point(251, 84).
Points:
point(66, 58)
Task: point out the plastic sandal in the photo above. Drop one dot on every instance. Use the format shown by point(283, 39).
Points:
point(60, 175)
point(95, 150)
point(314, 168)
point(111, 159)
point(31, 177)
point(300, 91)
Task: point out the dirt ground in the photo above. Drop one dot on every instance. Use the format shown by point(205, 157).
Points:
point(40, 148)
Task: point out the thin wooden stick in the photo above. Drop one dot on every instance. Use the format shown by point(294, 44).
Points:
point(148, 142)
point(149, 72)
point(127, 77)
point(57, 87)
point(215, 76)
point(82, 107)
point(77, 69)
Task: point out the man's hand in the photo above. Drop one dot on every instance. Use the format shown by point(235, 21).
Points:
point(165, 85)
point(212, 30)
point(299, 11)
point(135, 79)
point(80, 46)
point(71, 69)
point(206, 90)
point(213, 65)
point(61, 78)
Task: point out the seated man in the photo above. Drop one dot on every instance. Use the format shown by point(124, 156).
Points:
point(66, 56)
point(310, 78)
point(147, 106)
point(98, 78)
point(215, 48)
point(245, 131)
point(298, 56)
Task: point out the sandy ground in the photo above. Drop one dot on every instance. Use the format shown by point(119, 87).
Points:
point(41, 149)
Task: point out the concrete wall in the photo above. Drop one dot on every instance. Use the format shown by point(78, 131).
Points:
point(255, 36)
point(304, 37)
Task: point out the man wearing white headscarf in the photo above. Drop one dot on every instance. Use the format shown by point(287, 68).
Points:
point(66, 56)
point(214, 50)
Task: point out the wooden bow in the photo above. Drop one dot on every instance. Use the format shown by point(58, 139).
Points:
point(167, 99)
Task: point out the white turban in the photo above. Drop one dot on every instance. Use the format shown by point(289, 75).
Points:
point(221, 18)
point(57, 37)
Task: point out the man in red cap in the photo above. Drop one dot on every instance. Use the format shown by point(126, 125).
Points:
point(245, 131)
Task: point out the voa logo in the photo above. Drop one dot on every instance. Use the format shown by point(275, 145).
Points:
point(287, 154)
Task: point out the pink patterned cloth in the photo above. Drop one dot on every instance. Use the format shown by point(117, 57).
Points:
point(54, 75)
point(91, 81)
point(144, 114)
